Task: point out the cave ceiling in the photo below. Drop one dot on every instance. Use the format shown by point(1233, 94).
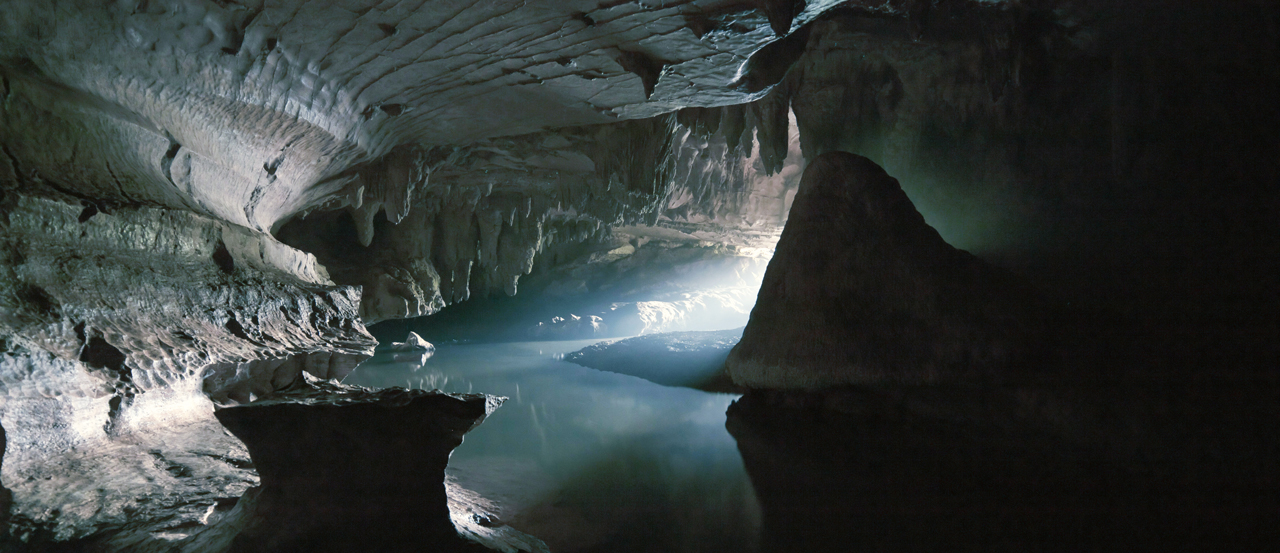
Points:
point(251, 112)
point(496, 128)
point(203, 201)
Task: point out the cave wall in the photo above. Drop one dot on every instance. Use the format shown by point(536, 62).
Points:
point(122, 328)
point(152, 151)
point(860, 291)
point(1124, 158)
point(1118, 153)
point(202, 200)
point(491, 211)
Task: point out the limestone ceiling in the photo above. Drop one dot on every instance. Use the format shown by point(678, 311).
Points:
point(251, 111)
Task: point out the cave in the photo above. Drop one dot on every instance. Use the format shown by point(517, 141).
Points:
point(639, 275)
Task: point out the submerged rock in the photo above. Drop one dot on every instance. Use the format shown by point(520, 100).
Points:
point(691, 359)
point(862, 290)
point(346, 468)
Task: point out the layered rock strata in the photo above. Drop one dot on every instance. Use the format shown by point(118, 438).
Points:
point(292, 99)
point(861, 290)
point(121, 324)
point(165, 292)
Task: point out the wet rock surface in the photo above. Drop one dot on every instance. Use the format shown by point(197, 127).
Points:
point(692, 359)
point(346, 468)
point(165, 292)
point(862, 290)
point(123, 327)
point(88, 475)
point(6, 496)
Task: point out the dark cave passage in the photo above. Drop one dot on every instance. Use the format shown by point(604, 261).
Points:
point(688, 275)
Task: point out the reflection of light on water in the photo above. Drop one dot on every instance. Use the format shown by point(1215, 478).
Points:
point(537, 426)
point(626, 458)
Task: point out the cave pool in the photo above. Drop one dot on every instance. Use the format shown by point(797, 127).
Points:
point(589, 460)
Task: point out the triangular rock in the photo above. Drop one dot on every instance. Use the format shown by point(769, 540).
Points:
point(861, 290)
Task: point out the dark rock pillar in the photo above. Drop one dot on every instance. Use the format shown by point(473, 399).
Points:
point(351, 469)
point(861, 290)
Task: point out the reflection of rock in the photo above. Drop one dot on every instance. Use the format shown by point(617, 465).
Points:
point(351, 469)
point(880, 480)
point(861, 289)
point(5, 495)
point(692, 359)
point(952, 469)
point(670, 281)
point(701, 309)
point(571, 328)
point(478, 518)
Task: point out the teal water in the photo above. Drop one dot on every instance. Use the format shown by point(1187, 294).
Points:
point(590, 460)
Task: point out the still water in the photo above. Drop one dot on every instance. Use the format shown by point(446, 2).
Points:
point(589, 460)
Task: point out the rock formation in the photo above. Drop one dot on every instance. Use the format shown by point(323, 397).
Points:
point(346, 468)
point(202, 202)
point(886, 478)
point(413, 350)
point(124, 325)
point(861, 290)
point(693, 359)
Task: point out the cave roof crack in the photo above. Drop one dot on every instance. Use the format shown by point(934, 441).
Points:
point(119, 185)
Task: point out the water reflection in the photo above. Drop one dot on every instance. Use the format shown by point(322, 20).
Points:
point(590, 460)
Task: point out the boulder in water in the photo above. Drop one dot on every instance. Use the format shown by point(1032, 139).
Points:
point(861, 290)
point(412, 350)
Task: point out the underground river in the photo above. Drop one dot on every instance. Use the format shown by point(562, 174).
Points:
point(589, 460)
